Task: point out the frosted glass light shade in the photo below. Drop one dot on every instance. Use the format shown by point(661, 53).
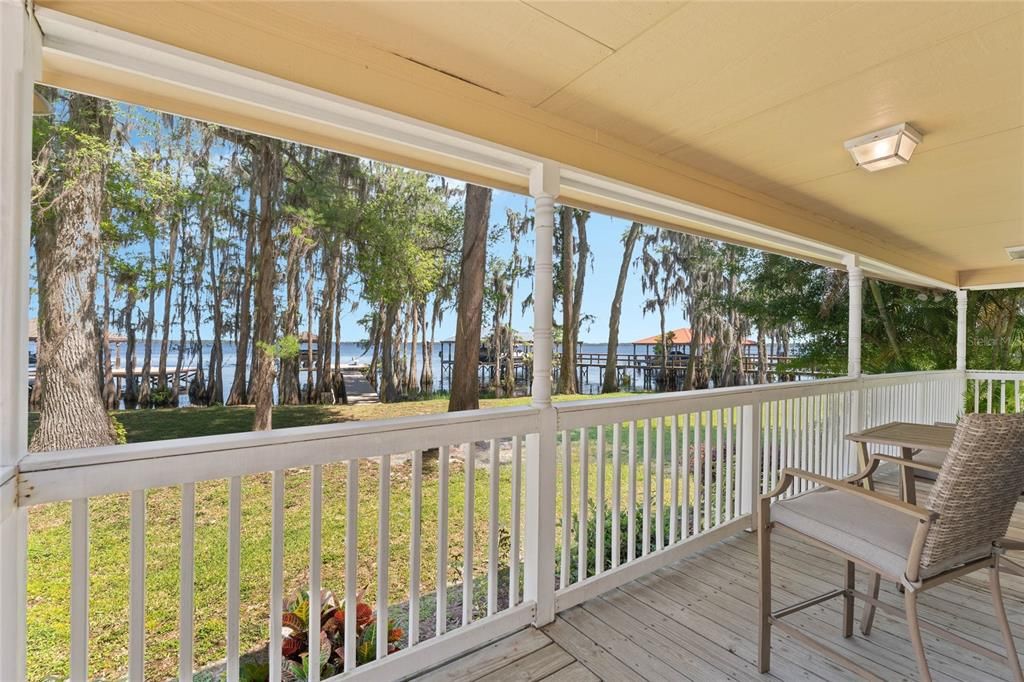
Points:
point(886, 148)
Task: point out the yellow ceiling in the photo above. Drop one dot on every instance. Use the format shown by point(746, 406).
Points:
point(740, 106)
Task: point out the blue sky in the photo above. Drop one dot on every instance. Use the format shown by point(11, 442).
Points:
point(605, 235)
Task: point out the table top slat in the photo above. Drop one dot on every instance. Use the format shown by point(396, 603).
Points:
point(907, 435)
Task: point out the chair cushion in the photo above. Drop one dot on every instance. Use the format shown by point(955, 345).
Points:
point(853, 525)
point(862, 529)
point(933, 457)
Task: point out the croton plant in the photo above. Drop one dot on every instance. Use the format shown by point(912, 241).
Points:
point(333, 649)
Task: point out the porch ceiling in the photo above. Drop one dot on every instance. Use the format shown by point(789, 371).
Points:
point(741, 107)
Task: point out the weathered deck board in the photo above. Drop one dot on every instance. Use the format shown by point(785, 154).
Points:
point(695, 620)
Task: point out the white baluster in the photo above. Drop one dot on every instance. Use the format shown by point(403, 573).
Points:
point(492, 548)
point(441, 624)
point(616, 494)
point(517, 492)
point(80, 589)
point(582, 515)
point(659, 483)
point(277, 572)
point(673, 491)
point(684, 530)
point(234, 574)
point(631, 496)
point(315, 565)
point(137, 587)
point(563, 575)
point(599, 504)
point(415, 528)
point(186, 581)
point(351, 556)
point(468, 512)
point(384, 554)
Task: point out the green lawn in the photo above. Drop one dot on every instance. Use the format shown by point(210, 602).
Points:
point(49, 541)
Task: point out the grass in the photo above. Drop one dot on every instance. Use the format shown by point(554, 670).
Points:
point(49, 541)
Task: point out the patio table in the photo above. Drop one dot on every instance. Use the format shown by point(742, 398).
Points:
point(911, 439)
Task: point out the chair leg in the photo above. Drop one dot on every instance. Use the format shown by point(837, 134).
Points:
point(849, 584)
point(1004, 624)
point(764, 625)
point(867, 616)
point(914, 626)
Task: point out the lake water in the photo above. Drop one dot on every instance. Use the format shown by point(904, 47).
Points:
point(349, 353)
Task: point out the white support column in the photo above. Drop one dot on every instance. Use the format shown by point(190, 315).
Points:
point(539, 571)
point(750, 460)
point(961, 330)
point(853, 340)
point(856, 276)
point(961, 347)
point(19, 67)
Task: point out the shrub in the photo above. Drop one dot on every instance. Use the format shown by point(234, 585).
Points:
point(333, 649)
point(638, 520)
point(117, 431)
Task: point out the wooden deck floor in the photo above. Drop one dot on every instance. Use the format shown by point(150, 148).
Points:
point(695, 620)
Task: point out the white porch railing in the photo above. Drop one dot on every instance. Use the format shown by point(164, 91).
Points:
point(994, 391)
point(640, 482)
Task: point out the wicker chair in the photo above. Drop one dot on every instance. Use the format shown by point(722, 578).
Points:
point(960, 530)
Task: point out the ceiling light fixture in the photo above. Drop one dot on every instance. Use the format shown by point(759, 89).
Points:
point(1015, 252)
point(884, 148)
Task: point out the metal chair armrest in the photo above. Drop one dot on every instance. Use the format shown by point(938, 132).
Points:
point(919, 513)
point(909, 463)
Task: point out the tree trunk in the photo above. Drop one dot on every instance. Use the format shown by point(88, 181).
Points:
point(388, 381)
point(412, 380)
point(337, 377)
point(215, 387)
point(239, 393)
point(332, 268)
point(664, 342)
point(288, 381)
point(696, 334)
point(165, 329)
point(496, 349)
point(147, 352)
point(309, 398)
point(268, 179)
point(883, 314)
point(611, 379)
point(567, 365)
point(182, 341)
point(67, 256)
point(111, 399)
point(375, 334)
point(510, 355)
point(131, 394)
point(762, 357)
point(465, 391)
point(427, 374)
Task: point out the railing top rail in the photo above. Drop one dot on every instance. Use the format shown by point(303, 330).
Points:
point(48, 478)
point(416, 431)
point(589, 412)
point(579, 413)
point(994, 374)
